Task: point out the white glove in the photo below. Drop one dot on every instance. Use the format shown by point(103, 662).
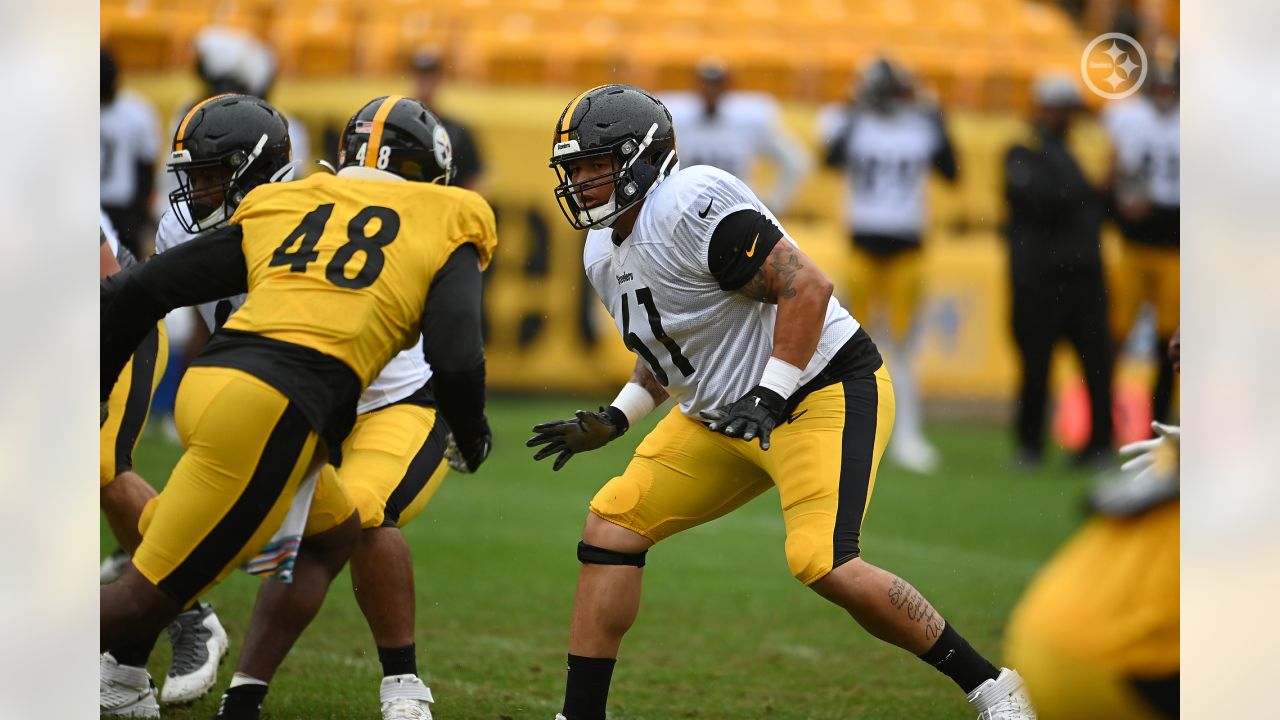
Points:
point(1146, 452)
point(1146, 480)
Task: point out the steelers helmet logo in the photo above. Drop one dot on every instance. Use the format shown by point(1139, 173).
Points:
point(442, 147)
point(1114, 66)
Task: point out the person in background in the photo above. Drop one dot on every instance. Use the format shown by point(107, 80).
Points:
point(731, 129)
point(1054, 230)
point(427, 66)
point(129, 146)
point(1146, 203)
point(886, 141)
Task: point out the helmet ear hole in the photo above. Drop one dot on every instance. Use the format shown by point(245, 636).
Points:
point(644, 174)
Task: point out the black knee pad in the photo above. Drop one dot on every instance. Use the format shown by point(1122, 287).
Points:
point(590, 554)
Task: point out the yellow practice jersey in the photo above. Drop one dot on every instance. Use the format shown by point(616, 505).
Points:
point(343, 265)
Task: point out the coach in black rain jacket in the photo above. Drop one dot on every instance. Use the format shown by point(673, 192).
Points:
point(1054, 230)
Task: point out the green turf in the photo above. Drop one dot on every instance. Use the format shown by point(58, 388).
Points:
point(724, 631)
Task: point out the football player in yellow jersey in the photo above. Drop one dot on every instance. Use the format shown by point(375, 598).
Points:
point(1097, 634)
point(341, 273)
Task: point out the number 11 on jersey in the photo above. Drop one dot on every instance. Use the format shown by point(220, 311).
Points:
point(633, 342)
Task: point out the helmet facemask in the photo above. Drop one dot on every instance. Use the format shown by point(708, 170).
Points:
point(632, 178)
point(210, 190)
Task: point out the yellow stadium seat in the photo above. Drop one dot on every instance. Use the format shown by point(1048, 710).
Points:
point(139, 36)
point(315, 41)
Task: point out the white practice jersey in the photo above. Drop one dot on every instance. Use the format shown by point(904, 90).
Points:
point(745, 126)
point(123, 257)
point(405, 373)
point(888, 161)
point(129, 135)
point(1148, 148)
point(707, 346)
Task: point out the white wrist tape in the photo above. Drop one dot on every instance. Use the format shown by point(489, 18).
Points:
point(635, 402)
point(781, 377)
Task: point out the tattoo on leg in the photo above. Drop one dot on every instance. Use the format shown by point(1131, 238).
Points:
point(906, 598)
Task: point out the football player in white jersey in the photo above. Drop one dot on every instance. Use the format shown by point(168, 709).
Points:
point(392, 460)
point(229, 60)
point(1146, 184)
point(728, 317)
point(129, 136)
point(731, 129)
point(886, 142)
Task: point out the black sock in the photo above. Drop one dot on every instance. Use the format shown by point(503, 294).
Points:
point(954, 657)
point(398, 661)
point(587, 689)
point(135, 654)
point(242, 702)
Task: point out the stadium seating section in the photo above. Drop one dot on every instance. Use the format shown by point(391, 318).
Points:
point(977, 54)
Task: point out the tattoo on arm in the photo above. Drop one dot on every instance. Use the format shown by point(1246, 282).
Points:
point(776, 279)
point(907, 599)
point(643, 377)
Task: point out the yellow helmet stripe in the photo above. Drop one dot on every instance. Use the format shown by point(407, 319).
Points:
point(375, 134)
point(182, 127)
point(568, 113)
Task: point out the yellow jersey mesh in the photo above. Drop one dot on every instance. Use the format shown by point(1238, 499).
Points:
point(343, 265)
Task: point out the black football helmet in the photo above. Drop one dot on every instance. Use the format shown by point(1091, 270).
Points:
point(626, 123)
point(400, 135)
point(226, 146)
point(884, 84)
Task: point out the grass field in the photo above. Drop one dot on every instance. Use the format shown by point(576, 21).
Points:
point(724, 631)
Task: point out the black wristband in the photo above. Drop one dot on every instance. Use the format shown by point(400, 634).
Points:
point(617, 418)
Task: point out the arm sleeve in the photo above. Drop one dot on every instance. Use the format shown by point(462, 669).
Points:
point(132, 301)
point(944, 155)
point(452, 344)
point(1025, 183)
point(739, 245)
point(835, 125)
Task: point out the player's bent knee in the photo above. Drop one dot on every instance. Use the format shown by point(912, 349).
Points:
point(592, 555)
point(332, 548)
point(808, 560)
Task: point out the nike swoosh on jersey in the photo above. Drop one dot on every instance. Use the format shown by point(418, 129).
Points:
point(752, 251)
point(703, 214)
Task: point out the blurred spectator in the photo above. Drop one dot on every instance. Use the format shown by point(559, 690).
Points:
point(886, 140)
point(730, 129)
point(233, 61)
point(1097, 633)
point(129, 137)
point(428, 74)
point(1146, 200)
point(1054, 231)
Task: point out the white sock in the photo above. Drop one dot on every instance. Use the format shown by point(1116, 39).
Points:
point(241, 679)
point(909, 421)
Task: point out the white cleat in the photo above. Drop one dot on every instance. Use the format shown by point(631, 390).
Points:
point(561, 717)
point(199, 644)
point(124, 691)
point(405, 697)
point(1004, 698)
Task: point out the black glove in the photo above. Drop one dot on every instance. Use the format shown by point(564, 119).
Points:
point(587, 431)
point(467, 457)
point(753, 415)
